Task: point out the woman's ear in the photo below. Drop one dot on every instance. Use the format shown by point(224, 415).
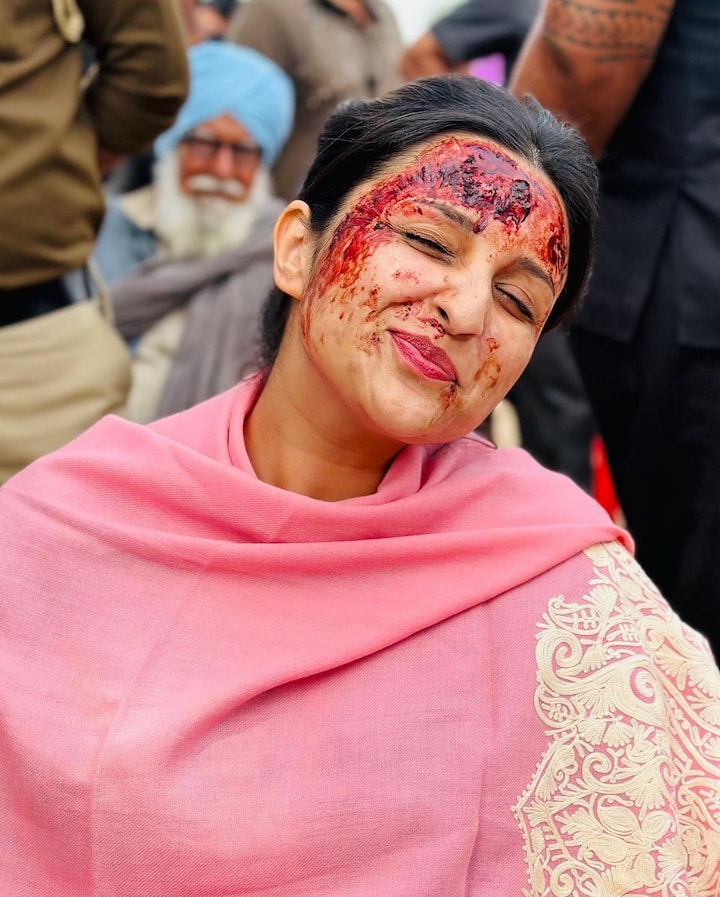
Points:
point(293, 243)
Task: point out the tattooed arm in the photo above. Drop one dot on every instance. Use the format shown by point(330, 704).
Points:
point(586, 59)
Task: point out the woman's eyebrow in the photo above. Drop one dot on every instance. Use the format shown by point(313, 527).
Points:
point(452, 213)
point(535, 270)
point(467, 223)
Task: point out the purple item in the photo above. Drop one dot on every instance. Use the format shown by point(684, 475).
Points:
point(489, 68)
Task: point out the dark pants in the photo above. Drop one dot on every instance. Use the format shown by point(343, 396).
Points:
point(658, 410)
point(554, 412)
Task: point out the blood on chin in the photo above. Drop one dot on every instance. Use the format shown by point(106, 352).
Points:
point(426, 412)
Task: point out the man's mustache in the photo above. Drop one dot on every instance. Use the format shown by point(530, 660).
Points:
point(208, 183)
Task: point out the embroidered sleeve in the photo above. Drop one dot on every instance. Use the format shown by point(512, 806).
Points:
point(626, 798)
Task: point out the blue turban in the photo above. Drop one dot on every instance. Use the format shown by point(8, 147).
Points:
point(225, 78)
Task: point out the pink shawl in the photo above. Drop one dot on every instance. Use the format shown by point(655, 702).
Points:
point(213, 686)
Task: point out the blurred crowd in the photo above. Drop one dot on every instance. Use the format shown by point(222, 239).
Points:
point(147, 149)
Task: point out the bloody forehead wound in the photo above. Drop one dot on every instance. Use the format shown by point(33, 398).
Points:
point(478, 176)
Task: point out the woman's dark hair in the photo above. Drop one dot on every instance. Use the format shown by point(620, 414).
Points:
point(362, 136)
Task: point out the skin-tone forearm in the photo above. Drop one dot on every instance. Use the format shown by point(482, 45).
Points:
point(424, 57)
point(586, 59)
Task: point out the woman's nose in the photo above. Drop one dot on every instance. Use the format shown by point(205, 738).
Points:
point(464, 305)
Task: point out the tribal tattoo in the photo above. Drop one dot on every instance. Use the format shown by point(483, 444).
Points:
point(614, 29)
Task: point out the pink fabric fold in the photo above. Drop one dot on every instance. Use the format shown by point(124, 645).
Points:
point(158, 598)
point(449, 528)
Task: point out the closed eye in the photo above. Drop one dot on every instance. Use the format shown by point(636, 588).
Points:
point(427, 243)
point(520, 307)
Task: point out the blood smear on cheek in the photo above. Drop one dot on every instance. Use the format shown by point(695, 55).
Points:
point(490, 368)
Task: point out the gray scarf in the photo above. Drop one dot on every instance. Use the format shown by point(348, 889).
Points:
point(223, 296)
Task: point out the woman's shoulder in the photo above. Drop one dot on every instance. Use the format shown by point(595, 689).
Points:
point(474, 456)
point(615, 727)
point(476, 459)
point(158, 494)
point(628, 697)
point(117, 456)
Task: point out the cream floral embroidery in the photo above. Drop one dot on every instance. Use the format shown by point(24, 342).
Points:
point(626, 799)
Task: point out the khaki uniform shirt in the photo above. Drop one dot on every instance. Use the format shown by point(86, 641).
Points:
point(51, 202)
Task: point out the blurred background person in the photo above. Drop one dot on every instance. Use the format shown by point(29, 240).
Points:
point(212, 18)
point(190, 23)
point(61, 366)
point(333, 50)
point(641, 82)
point(474, 31)
point(554, 414)
point(136, 171)
point(189, 257)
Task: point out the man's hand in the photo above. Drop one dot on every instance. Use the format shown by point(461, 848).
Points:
point(423, 58)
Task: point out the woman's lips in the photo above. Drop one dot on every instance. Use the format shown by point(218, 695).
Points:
point(423, 356)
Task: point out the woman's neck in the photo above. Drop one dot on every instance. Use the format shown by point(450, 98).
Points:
point(298, 446)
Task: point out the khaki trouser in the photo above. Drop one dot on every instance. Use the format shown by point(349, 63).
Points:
point(59, 373)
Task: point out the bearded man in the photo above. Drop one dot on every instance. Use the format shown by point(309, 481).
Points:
point(189, 257)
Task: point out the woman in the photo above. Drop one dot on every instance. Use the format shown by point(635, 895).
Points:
point(311, 638)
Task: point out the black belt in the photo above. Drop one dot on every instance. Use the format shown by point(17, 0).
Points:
point(22, 303)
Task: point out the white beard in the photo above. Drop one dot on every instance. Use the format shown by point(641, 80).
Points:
point(190, 227)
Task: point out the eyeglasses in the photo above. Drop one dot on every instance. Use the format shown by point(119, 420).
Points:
point(204, 149)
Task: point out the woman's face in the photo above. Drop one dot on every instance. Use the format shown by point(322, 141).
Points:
point(426, 301)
